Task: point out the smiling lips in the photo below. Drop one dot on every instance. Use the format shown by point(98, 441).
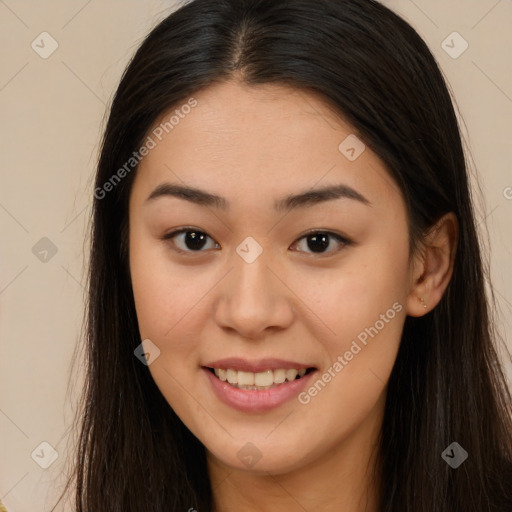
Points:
point(263, 374)
point(258, 386)
point(257, 381)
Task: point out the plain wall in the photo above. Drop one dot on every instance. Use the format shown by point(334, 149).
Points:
point(52, 113)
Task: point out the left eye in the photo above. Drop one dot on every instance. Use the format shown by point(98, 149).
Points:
point(317, 241)
point(195, 240)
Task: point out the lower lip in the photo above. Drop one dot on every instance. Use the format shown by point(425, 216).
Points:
point(247, 400)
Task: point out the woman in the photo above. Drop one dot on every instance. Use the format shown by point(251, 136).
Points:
point(286, 298)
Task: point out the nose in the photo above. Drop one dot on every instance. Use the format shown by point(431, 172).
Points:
point(254, 299)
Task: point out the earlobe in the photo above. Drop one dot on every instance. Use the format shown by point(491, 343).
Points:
point(434, 266)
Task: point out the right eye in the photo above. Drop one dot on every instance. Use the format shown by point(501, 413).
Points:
point(188, 240)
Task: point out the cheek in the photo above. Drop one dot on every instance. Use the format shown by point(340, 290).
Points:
point(163, 293)
point(347, 300)
point(362, 312)
point(164, 307)
point(171, 302)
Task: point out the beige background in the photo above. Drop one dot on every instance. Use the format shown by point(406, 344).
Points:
point(52, 112)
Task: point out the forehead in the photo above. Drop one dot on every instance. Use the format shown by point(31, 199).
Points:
point(256, 143)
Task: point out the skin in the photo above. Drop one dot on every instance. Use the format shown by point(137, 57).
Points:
point(253, 145)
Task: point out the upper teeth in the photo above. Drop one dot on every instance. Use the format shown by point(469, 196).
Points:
point(266, 378)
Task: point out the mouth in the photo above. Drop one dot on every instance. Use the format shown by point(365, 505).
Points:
point(257, 387)
point(259, 381)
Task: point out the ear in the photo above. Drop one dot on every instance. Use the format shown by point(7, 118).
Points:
point(433, 266)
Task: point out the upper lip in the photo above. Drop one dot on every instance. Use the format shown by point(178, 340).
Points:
point(255, 366)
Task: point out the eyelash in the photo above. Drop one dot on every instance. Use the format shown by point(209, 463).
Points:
point(345, 242)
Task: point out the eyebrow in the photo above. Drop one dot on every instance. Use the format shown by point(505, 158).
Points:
point(291, 202)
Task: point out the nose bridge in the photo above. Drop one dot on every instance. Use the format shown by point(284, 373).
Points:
point(252, 297)
point(252, 278)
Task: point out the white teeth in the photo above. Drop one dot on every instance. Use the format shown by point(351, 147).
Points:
point(246, 379)
point(232, 376)
point(291, 374)
point(261, 380)
point(280, 376)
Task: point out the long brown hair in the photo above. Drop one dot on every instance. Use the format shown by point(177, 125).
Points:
point(134, 453)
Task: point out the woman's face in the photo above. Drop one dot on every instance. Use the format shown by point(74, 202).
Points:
point(247, 291)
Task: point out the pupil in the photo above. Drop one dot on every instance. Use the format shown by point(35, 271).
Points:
point(320, 241)
point(194, 240)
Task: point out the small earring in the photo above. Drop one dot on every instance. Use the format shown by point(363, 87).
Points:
point(423, 302)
